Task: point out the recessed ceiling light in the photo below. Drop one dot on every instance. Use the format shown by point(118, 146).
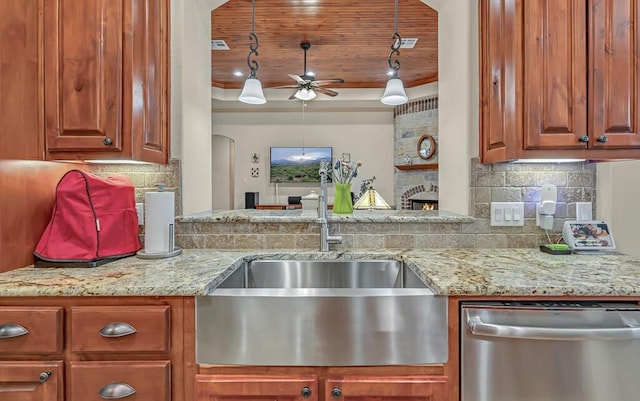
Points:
point(237, 73)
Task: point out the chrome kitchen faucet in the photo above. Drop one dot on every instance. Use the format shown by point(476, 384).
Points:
point(325, 238)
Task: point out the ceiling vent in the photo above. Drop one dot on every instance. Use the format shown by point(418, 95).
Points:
point(408, 43)
point(218, 44)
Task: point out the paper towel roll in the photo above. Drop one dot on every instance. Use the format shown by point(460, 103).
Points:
point(159, 215)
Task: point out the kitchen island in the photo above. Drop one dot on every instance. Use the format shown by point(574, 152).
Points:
point(450, 272)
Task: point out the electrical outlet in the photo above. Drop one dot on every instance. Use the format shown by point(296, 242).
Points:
point(584, 211)
point(255, 172)
point(507, 213)
point(140, 213)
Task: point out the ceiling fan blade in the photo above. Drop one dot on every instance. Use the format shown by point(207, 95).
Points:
point(297, 79)
point(293, 96)
point(284, 87)
point(326, 91)
point(324, 82)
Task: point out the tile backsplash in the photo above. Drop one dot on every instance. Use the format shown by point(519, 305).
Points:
point(500, 182)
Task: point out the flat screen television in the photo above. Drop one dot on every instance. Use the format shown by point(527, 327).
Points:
point(297, 165)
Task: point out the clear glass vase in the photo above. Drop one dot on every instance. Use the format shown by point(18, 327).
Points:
point(342, 203)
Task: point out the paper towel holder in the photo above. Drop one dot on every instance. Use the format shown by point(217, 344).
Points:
point(172, 249)
point(171, 252)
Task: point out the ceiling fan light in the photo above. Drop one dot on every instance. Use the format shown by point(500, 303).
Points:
point(252, 92)
point(305, 94)
point(394, 93)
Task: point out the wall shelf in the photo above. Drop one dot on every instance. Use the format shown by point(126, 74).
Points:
point(432, 166)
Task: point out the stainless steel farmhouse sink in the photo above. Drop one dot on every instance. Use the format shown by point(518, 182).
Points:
point(322, 313)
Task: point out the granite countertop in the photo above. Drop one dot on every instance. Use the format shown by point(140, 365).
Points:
point(297, 216)
point(476, 272)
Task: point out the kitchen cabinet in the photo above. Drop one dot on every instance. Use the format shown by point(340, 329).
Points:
point(21, 81)
point(321, 386)
point(113, 346)
point(559, 79)
point(31, 381)
point(85, 80)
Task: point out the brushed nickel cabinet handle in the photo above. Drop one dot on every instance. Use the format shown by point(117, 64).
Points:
point(10, 330)
point(336, 392)
point(583, 138)
point(107, 141)
point(115, 391)
point(117, 329)
point(602, 139)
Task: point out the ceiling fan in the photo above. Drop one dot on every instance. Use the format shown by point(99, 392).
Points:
point(306, 84)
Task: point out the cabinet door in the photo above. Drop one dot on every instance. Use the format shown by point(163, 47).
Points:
point(21, 114)
point(615, 48)
point(499, 63)
point(555, 79)
point(256, 387)
point(366, 388)
point(146, 79)
point(31, 381)
point(83, 75)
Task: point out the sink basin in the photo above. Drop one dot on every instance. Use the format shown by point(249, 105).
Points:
point(321, 313)
point(324, 274)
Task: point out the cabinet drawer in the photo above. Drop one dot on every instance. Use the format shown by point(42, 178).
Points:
point(97, 381)
point(120, 328)
point(30, 330)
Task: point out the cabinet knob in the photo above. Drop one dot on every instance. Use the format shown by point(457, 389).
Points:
point(336, 392)
point(115, 391)
point(584, 138)
point(306, 392)
point(10, 330)
point(602, 139)
point(44, 376)
point(117, 329)
point(107, 141)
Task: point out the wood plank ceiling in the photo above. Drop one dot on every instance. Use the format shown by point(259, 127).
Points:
point(349, 40)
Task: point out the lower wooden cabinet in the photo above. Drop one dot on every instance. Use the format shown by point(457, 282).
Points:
point(140, 380)
point(365, 388)
point(31, 381)
point(334, 387)
point(256, 387)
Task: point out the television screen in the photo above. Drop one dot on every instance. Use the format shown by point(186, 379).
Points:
point(297, 165)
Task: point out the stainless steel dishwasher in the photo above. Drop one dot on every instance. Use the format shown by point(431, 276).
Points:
point(550, 351)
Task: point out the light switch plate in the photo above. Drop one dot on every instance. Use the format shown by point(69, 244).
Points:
point(507, 213)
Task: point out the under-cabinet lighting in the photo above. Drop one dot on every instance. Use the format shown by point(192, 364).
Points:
point(547, 161)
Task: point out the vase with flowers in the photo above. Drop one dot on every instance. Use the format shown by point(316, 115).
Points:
point(343, 172)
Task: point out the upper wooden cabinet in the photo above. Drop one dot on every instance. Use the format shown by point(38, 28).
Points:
point(106, 79)
point(21, 81)
point(84, 79)
point(559, 78)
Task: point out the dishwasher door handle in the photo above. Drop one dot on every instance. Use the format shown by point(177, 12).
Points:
point(480, 328)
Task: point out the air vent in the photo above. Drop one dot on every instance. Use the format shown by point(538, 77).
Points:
point(221, 45)
point(408, 43)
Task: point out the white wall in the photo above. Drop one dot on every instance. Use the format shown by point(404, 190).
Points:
point(618, 200)
point(367, 136)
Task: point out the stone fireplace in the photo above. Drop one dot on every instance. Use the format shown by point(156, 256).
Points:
point(415, 188)
point(420, 197)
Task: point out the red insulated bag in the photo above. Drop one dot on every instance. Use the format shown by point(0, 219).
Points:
point(94, 221)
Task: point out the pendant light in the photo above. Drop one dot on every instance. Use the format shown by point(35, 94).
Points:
point(394, 93)
point(252, 90)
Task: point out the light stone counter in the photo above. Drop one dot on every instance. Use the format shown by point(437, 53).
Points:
point(296, 216)
point(486, 272)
